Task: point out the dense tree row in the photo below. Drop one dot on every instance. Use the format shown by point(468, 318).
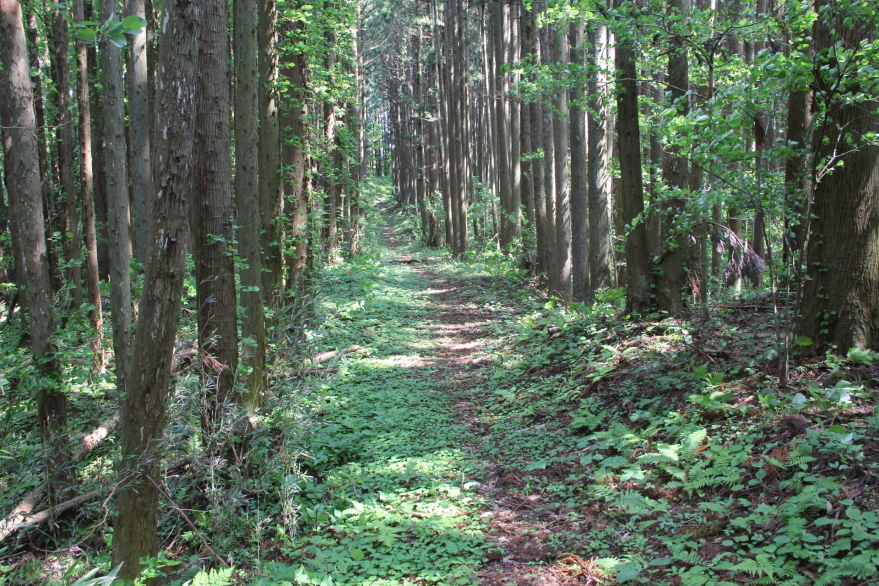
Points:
point(703, 141)
point(119, 147)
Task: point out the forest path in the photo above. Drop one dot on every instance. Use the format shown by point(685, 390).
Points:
point(406, 489)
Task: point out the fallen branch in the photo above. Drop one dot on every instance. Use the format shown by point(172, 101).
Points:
point(91, 441)
point(21, 518)
point(324, 356)
point(22, 511)
point(18, 520)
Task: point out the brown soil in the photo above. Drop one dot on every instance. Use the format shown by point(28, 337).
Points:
point(518, 523)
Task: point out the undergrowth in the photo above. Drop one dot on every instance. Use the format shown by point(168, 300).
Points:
point(579, 441)
point(673, 457)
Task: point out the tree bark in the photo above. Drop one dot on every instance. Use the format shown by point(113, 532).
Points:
point(21, 165)
point(271, 192)
point(560, 277)
point(600, 249)
point(143, 411)
point(60, 45)
point(212, 231)
point(87, 197)
point(296, 203)
point(840, 301)
point(116, 181)
point(631, 187)
point(672, 281)
point(247, 188)
point(579, 184)
point(140, 129)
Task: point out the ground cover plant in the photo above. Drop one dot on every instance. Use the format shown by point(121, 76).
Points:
point(446, 423)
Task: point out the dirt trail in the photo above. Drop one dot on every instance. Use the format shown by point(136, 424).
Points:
point(518, 523)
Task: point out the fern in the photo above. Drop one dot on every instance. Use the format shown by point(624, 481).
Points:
point(691, 442)
point(853, 568)
point(213, 578)
point(696, 576)
point(633, 502)
point(758, 566)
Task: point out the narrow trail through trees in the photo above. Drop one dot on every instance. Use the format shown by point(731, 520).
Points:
point(412, 480)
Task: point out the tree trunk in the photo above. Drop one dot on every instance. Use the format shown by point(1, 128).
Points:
point(798, 183)
point(21, 165)
point(515, 133)
point(293, 156)
point(631, 187)
point(60, 44)
point(549, 167)
point(579, 185)
point(140, 129)
point(212, 231)
point(247, 190)
point(87, 197)
point(271, 193)
point(502, 132)
point(526, 143)
point(560, 277)
point(100, 185)
point(116, 181)
point(143, 411)
point(840, 301)
point(672, 281)
point(600, 249)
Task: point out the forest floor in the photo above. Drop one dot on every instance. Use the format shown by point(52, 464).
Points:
point(485, 435)
point(438, 423)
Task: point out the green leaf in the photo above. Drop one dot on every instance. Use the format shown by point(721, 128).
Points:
point(119, 41)
point(133, 23)
point(804, 340)
point(627, 572)
point(86, 34)
point(357, 554)
point(799, 401)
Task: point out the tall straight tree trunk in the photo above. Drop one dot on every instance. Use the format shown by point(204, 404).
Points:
point(454, 159)
point(631, 186)
point(87, 196)
point(60, 44)
point(538, 165)
point(21, 167)
point(442, 49)
point(271, 194)
point(116, 181)
point(515, 130)
point(675, 254)
point(579, 184)
point(212, 231)
point(419, 135)
point(293, 156)
point(140, 130)
point(798, 183)
point(562, 259)
point(247, 190)
point(526, 49)
point(100, 186)
point(600, 249)
point(840, 301)
point(458, 121)
point(549, 167)
point(46, 187)
point(501, 119)
point(143, 411)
